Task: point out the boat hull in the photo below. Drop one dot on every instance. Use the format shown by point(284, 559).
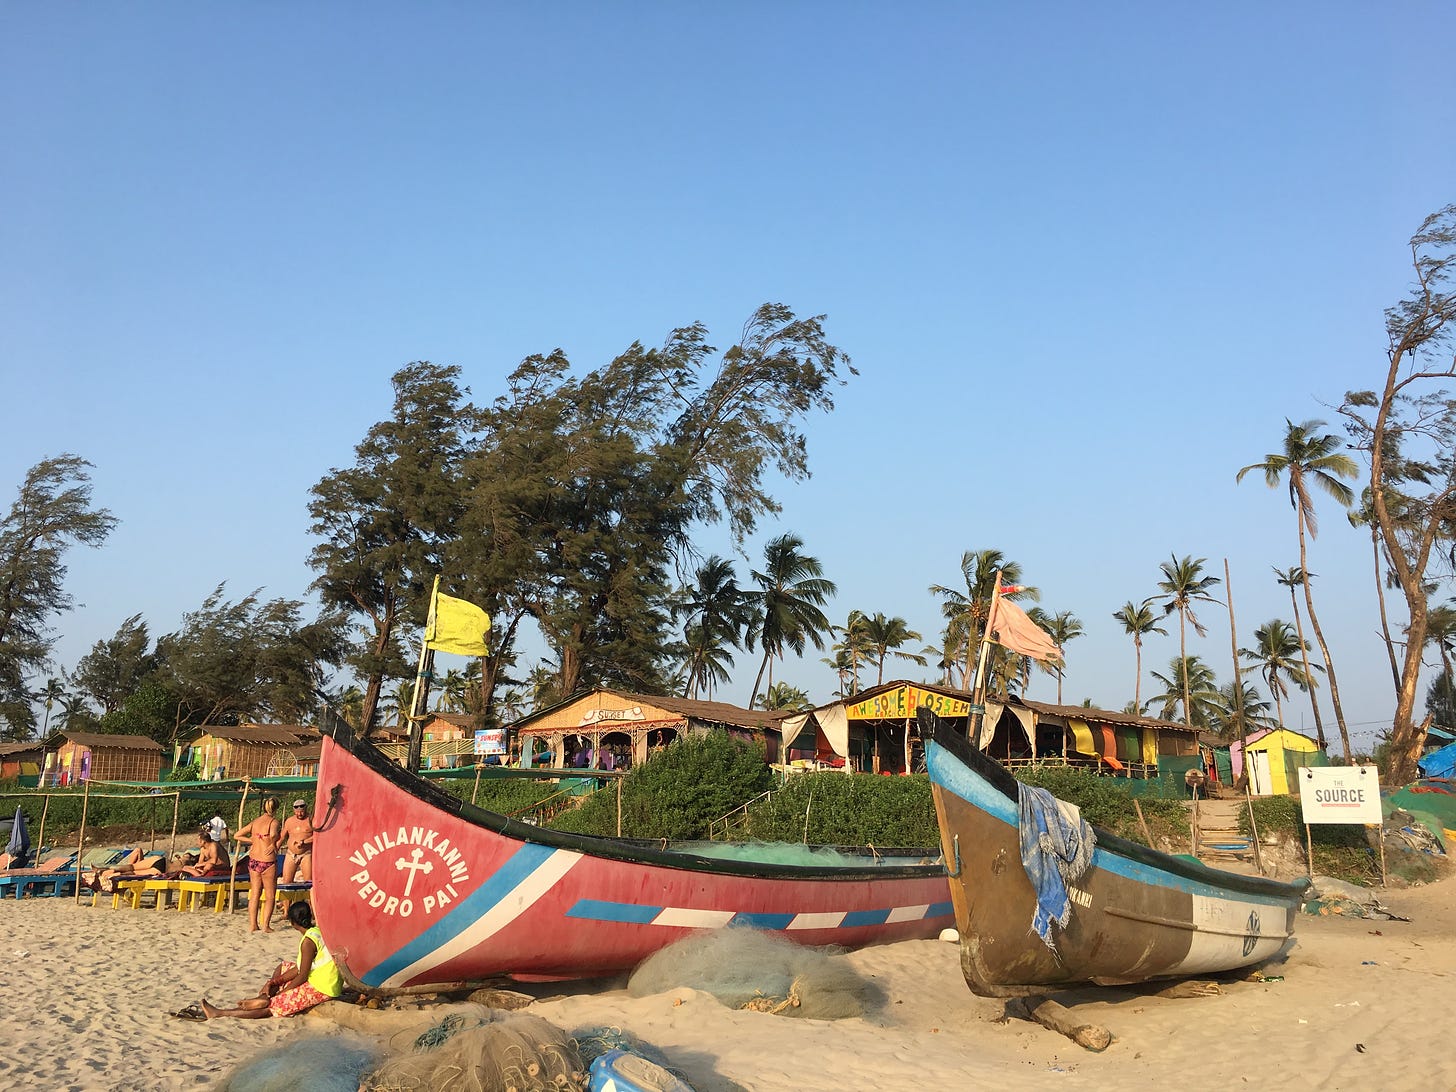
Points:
point(412, 888)
point(1136, 914)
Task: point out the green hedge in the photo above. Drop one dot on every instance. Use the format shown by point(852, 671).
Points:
point(63, 816)
point(678, 792)
point(832, 809)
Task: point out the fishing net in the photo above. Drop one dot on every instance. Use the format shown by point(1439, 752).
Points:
point(746, 969)
point(496, 1052)
point(321, 1064)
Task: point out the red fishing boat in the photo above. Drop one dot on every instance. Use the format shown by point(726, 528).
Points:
point(414, 887)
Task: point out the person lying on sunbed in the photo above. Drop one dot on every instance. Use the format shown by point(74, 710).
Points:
point(136, 864)
point(294, 987)
point(212, 860)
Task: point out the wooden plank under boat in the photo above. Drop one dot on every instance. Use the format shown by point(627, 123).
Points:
point(1136, 914)
point(414, 887)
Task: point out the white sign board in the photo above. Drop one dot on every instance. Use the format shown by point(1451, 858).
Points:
point(490, 741)
point(1340, 794)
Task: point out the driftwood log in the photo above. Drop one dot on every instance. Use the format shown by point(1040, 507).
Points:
point(1059, 1018)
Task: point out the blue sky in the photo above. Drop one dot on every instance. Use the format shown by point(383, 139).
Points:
point(1086, 258)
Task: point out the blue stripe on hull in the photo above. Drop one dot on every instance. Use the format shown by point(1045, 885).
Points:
point(950, 774)
point(516, 870)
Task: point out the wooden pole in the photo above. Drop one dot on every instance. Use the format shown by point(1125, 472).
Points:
point(152, 822)
point(45, 807)
point(476, 788)
point(176, 808)
point(1193, 828)
point(81, 837)
point(1309, 848)
point(619, 807)
point(1380, 834)
point(1254, 829)
point(1143, 824)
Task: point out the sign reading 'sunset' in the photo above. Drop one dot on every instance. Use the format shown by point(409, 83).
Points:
point(1340, 794)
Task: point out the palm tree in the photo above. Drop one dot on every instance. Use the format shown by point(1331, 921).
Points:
point(1184, 584)
point(946, 659)
point(966, 611)
point(1138, 620)
point(783, 696)
point(1441, 632)
point(1312, 457)
point(54, 691)
point(1292, 578)
point(1256, 712)
point(1276, 646)
point(852, 646)
point(793, 589)
point(886, 636)
point(718, 613)
point(1063, 626)
point(1191, 683)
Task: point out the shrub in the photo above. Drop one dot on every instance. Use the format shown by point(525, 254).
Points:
point(832, 809)
point(678, 792)
point(505, 795)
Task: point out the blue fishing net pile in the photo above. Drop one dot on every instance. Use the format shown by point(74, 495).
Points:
point(318, 1063)
point(744, 968)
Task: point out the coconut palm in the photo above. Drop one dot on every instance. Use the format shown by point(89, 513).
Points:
point(886, 636)
point(1311, 458)
point(1190, 682)
point(792, 589)
point(1184, 584)
point(966, 611)
point(852, 647)
point(1138, 620)
point(1224, 720)
point(783, 696)
point(946, 659)
point(717, 613)
point(1276, 651)
point(54, 691)
point(1063, 626)
point(1363, 515)
point(1292, 578)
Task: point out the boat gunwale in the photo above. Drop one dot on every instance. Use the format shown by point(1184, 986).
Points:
point(934, 729)
point(620, 849)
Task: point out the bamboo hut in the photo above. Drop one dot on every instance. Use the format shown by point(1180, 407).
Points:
point(75, 757)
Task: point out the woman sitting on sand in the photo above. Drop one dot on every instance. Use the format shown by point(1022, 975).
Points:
point(294, 987)
point(212, 860)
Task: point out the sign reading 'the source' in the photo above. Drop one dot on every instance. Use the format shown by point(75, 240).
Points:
point(1340, 794)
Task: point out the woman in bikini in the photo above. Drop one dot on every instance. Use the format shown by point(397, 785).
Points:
point(262, 836)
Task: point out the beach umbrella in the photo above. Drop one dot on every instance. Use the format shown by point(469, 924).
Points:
point(19, 845)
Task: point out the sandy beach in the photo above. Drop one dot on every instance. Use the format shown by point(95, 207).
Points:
point(1361, 1004)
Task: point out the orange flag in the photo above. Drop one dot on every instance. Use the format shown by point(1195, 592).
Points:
point(1015, 630)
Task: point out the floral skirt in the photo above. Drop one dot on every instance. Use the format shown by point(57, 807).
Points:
point(299, 999)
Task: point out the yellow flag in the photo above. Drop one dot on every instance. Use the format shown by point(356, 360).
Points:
point(456, 625)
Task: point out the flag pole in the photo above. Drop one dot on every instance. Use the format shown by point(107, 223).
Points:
point(978, 689)
point(422, 689)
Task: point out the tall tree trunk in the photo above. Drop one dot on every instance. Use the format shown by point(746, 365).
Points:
point(1183, 658)
point(763, 664)
point(1319, 727)
point(1137, 686)
point(1380, 598)
point(1320, 637)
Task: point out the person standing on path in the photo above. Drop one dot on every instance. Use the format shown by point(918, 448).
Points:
point(262, 837)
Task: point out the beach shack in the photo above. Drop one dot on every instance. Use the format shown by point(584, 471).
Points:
point(21, 762)
point(74, 757)
point(248, 750)
point(875, 731)
point(1274, 755)
point(614, 729)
